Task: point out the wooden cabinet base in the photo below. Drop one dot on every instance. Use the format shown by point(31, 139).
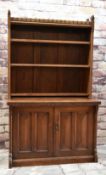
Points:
point(52, 132)
point(53, 160)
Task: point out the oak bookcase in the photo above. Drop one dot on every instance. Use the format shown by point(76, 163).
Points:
point(52, 115)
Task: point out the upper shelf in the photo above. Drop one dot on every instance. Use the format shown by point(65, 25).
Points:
point(51, 65)
point(49, 41)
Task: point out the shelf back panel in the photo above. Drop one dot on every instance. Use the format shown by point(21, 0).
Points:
point(21, 80)
point(49, 53)
point(49, 80)
point(50, 33)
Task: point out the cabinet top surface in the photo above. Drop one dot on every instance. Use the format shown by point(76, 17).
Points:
point(36, 21)
point(51, 100)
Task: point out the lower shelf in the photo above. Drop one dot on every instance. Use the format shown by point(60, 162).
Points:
point(47, 94)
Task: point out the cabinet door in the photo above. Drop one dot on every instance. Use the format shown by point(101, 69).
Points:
point(74, 131)
point(32, 132)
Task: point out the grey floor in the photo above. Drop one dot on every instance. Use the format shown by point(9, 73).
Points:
point(66, 169)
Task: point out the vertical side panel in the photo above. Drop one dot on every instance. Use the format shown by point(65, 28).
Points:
point(10, 137)
point(91, 130)
point(9, 55)
point(91, 57)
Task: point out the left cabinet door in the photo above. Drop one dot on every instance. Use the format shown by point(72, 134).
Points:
point(32, 134)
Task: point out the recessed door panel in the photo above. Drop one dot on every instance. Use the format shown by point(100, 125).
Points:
point(32, 132)
point(74, 131)
point(24, 131)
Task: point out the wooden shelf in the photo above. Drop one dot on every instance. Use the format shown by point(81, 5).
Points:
point(50, 100)
point(51, 65)
point(49, 41)
point(48, 94)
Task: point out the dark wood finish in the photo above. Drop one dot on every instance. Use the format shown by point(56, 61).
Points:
point(32, 132)
point(46, 22)
point(39, 56)
point(50, 65)
point(32, 81)
point(67, 50)
point(48, 41)
point(54, 101)
point(53, 160)
point(52, 118)
point(74, 131)
point(91, 56)
point(44, 94)
point(65, 131)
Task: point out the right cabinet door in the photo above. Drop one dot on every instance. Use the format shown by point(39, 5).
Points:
point(75, 131)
